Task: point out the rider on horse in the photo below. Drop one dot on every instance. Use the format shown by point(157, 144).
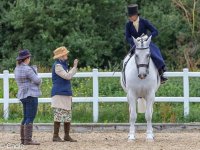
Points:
point(137, 27)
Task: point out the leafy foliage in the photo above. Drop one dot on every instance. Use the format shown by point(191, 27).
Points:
point(93, 30)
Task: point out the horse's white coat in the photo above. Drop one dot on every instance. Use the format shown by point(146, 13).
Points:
point(145, 86)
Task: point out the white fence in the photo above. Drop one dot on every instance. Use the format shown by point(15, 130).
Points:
point(96, 99)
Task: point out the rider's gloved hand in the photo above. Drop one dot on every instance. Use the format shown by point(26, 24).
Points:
point(145, 37)
point(139, 39)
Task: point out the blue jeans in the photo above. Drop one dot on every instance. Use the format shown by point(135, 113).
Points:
point(30, 105)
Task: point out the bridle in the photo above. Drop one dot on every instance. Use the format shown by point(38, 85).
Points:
point(142, 65)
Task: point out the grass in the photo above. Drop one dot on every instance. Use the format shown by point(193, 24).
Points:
point(111, 113)
point(116, 112)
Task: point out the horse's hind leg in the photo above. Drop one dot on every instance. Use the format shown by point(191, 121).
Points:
point(148, 116)
point(133, 114)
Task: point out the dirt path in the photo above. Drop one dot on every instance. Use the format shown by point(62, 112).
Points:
point(107, 141)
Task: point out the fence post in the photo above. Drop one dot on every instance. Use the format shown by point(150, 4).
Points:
point(5, 94)
point(186, 91)
point(95, 95)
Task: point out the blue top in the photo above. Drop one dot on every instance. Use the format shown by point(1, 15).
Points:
point(60, 86)
point(144, 26)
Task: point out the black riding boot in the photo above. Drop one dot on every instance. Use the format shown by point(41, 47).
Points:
point(162, 78)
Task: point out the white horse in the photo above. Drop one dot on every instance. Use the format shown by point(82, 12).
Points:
point(140, 79)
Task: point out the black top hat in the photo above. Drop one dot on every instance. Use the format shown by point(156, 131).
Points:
point(23, 54)
point(132, 10)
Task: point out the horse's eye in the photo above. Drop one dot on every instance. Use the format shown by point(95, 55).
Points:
point(136, 56)
point(148, 55)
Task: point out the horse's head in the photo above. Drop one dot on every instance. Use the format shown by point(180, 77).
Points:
point(142, 56)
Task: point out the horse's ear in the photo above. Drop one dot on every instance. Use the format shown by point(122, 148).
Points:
point(135, 41)
point(149, 40)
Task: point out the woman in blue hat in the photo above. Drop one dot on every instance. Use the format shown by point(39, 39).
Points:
point(137, 27)
point(28, 84)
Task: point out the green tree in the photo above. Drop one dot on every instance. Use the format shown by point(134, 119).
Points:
point(188, 39)
point(93, 30)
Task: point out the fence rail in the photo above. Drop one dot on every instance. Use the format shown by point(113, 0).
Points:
point(186, 99)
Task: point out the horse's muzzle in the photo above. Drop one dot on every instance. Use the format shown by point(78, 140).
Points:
point(142, 76)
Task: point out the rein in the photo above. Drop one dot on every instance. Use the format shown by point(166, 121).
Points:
point(138, 65)
point(123, 70)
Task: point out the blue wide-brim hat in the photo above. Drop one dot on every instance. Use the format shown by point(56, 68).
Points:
point(23, 54)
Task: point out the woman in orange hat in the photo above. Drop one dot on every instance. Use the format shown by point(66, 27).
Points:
point(62, 93)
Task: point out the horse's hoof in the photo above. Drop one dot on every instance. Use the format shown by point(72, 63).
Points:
point(150, 137)
point(131, 138)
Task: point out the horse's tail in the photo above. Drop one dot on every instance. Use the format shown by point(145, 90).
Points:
point(141, 105)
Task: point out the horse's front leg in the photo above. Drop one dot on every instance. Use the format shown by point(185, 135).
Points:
point(148, 116)
point(133, 115)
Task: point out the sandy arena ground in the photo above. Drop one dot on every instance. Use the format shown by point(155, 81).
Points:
point(107, 141)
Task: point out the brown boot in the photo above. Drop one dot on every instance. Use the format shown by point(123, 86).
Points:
point(22, 134)
point(67, 129)
point(28, 130)
point(56, 137)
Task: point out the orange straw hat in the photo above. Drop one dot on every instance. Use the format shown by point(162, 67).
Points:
point(59, 52)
